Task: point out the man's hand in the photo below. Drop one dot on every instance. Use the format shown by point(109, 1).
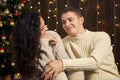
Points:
point(52, 69)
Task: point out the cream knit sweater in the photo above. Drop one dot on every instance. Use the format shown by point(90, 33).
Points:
point(52, 53)
point(92, 53)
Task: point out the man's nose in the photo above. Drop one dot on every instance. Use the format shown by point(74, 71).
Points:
point(67, 23)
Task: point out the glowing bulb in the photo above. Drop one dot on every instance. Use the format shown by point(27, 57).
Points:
point(115, 17)
point(98, 12)
point(112, 34)
point(117, 63)
point(38, 2)
point(49, 10)
point(55, 8)
point(31, 7)
point(57, 22)
point(116, 5)
point(66, 5)
point(99, 21)
point(55, 30)
point(48, 17)
point(12, 64)
point(54, 15)
point(98, 6)
point(3, 66)
point(38, 10)
point(81, 8)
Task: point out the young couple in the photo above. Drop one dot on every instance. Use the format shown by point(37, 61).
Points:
point(40, 54)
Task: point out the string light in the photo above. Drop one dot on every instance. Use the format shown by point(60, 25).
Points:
point(56, 16)
point(48, 13)
point(30, 4)
point(114, 30)
point(80, 5)
point(66, 5)
point(98, 13)
point(39, 5)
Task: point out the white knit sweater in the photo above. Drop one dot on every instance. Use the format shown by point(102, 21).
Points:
point(52, 53)
point(92, 53)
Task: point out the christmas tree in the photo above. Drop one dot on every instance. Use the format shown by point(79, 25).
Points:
point(9, 11)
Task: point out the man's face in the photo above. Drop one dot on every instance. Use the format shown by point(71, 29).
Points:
point(72, 23)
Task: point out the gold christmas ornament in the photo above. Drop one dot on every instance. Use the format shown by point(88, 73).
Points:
point(17, 76)
point(22, 4)
point(4, 0)
point(1, 24)
point(2, 66)
point(3, 37)
point(12, 23)
point(2, 50)
point(7, 12)
point(12, 64)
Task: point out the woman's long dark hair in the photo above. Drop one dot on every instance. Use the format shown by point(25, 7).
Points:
point(26, 37)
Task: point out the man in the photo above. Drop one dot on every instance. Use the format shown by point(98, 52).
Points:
point(90, 52)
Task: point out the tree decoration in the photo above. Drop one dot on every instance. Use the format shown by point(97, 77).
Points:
point(2, 50)
point(9, 11)
point(1, 24)
point(12, 22)
point(3, 37)
point(6, 12)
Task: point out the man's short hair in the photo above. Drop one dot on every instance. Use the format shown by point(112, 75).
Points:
point(72, 9)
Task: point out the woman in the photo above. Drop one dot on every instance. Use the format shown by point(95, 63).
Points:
point(34, 46)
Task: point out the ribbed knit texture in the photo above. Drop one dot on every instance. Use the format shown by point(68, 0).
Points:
point(94, 55)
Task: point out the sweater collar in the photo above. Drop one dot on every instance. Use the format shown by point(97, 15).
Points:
point(80, 35)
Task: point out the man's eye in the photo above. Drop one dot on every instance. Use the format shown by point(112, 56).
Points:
point(70, 20)
point(63, 22)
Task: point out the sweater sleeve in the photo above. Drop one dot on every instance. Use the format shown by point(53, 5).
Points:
point(59, 49)
point(47, 56)
point(101, 49)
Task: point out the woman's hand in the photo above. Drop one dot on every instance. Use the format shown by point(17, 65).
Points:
point(52, 69)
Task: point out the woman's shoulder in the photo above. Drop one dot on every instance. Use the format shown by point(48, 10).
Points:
point(53, 33)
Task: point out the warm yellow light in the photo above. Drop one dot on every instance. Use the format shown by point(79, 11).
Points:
point(98, 6)
point(38, 10)
point(81, 8)
point(115, 17)
point(117, 63)
point(66, 5)
point(31, 7)
point(116, 5)
point(54, 15)
point(55, 30)
point(117, 24)
point(98, 12)
point(48, 17)
point(57, 22)
point(51, 2)
point(55, 8)
point(83, 1)
point(38, 2)
point(112, 34)
point(99, 21)
point(49, 10)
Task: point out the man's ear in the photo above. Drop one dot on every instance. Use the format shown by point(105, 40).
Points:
point(81, 20)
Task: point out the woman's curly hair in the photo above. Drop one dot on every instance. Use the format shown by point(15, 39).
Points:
point(26, 37)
